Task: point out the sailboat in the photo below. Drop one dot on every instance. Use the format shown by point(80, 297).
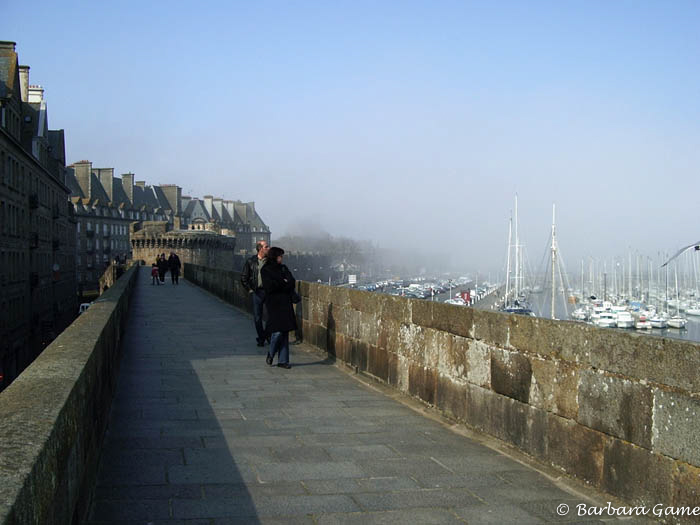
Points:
point(677, 321)
point(514, 302)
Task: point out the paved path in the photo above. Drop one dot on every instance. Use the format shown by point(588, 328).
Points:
point(203, 432)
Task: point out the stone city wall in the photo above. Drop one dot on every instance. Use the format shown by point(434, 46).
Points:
point(210, 250)
point(49, 450)
point(617, 410)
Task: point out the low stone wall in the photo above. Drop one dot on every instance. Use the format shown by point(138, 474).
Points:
point(53, 416)
point(620, 411)
point(223, 283)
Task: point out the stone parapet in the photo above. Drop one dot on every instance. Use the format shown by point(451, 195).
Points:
point(199, 247)
point(617, 410)
point(55, 413)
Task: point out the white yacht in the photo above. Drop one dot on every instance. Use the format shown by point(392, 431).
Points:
point(624, 319)
point(677, 322)
point(606, 320)
point(693, 309)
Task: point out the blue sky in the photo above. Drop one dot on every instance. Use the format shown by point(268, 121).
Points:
point(410, 123)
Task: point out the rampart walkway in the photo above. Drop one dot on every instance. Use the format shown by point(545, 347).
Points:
point(201, 429)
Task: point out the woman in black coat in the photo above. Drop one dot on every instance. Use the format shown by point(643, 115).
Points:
point(162, 267)
point(278, 283)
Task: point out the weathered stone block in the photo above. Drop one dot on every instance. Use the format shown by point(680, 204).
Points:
point(322, 293)
point(452, 398)
point(452, 360)
point(519, 424)
point(575, 448)
point(393, 377)
point(429, 391)
point(303, 288)
point(676, 427)
point(636, 474)
point(412, 342)
point(666, 361)
point(359, 351)
point(615, 406)
point(422, 313)
point(415, 379)
point(388, 334)
point(686, 485)
point(403, 366)
point(364, 301)
point(454, 319)
point(491, 327)
point(544, 337)
point(448, 318)
point(554, 387)
point(437, 345)
point(422, 383)
point(478, 362)
point(479, 408)
point(396, 308)
point(369, 327)
point(511, 374)
point(378, 363)
point(339, 296)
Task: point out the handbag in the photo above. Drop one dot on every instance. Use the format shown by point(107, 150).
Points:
point(296, 298)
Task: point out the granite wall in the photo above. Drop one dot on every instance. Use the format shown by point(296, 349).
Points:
point(55, 413)
point(617, 410)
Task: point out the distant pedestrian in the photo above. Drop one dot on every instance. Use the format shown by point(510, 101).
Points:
point(162, 267)
point(252, 281)
point(174, 265)
point(279, 284)
point(154, 274)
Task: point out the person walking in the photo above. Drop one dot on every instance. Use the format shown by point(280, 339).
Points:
point(162, 267)
point(252, 281)
point(279, 284)
point(174, 265)
point(154, 274)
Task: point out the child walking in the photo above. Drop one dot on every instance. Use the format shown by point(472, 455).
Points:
point(154, 274)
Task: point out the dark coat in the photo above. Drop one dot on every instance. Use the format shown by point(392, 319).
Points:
point(249, 275)
point(174, 264)
point(278, 283)
point(162, 266)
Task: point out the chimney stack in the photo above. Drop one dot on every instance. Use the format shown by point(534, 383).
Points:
point(172, 193)
point(83, 174)
point(128, 184)
point(106, 176)
point(36, 94)
point(208, 201)
point(24, 82)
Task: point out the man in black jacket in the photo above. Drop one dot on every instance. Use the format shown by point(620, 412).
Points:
point(252, 281)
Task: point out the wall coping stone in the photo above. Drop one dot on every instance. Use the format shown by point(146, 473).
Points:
point(54, 415)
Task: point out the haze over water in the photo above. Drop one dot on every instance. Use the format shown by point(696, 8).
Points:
point(412, 124)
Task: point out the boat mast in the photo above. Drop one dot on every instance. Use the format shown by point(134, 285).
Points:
point(554, 260)
point(517, 253)
point(510, 229)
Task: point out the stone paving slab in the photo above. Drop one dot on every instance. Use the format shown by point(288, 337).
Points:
point(203, 432)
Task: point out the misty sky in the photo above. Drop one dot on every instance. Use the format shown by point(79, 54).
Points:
point(410, 123)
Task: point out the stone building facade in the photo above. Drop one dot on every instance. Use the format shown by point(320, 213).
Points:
point(105, 206)
point(37, 239)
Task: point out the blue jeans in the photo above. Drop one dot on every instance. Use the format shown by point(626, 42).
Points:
point(258, 301)
point(280, 343)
